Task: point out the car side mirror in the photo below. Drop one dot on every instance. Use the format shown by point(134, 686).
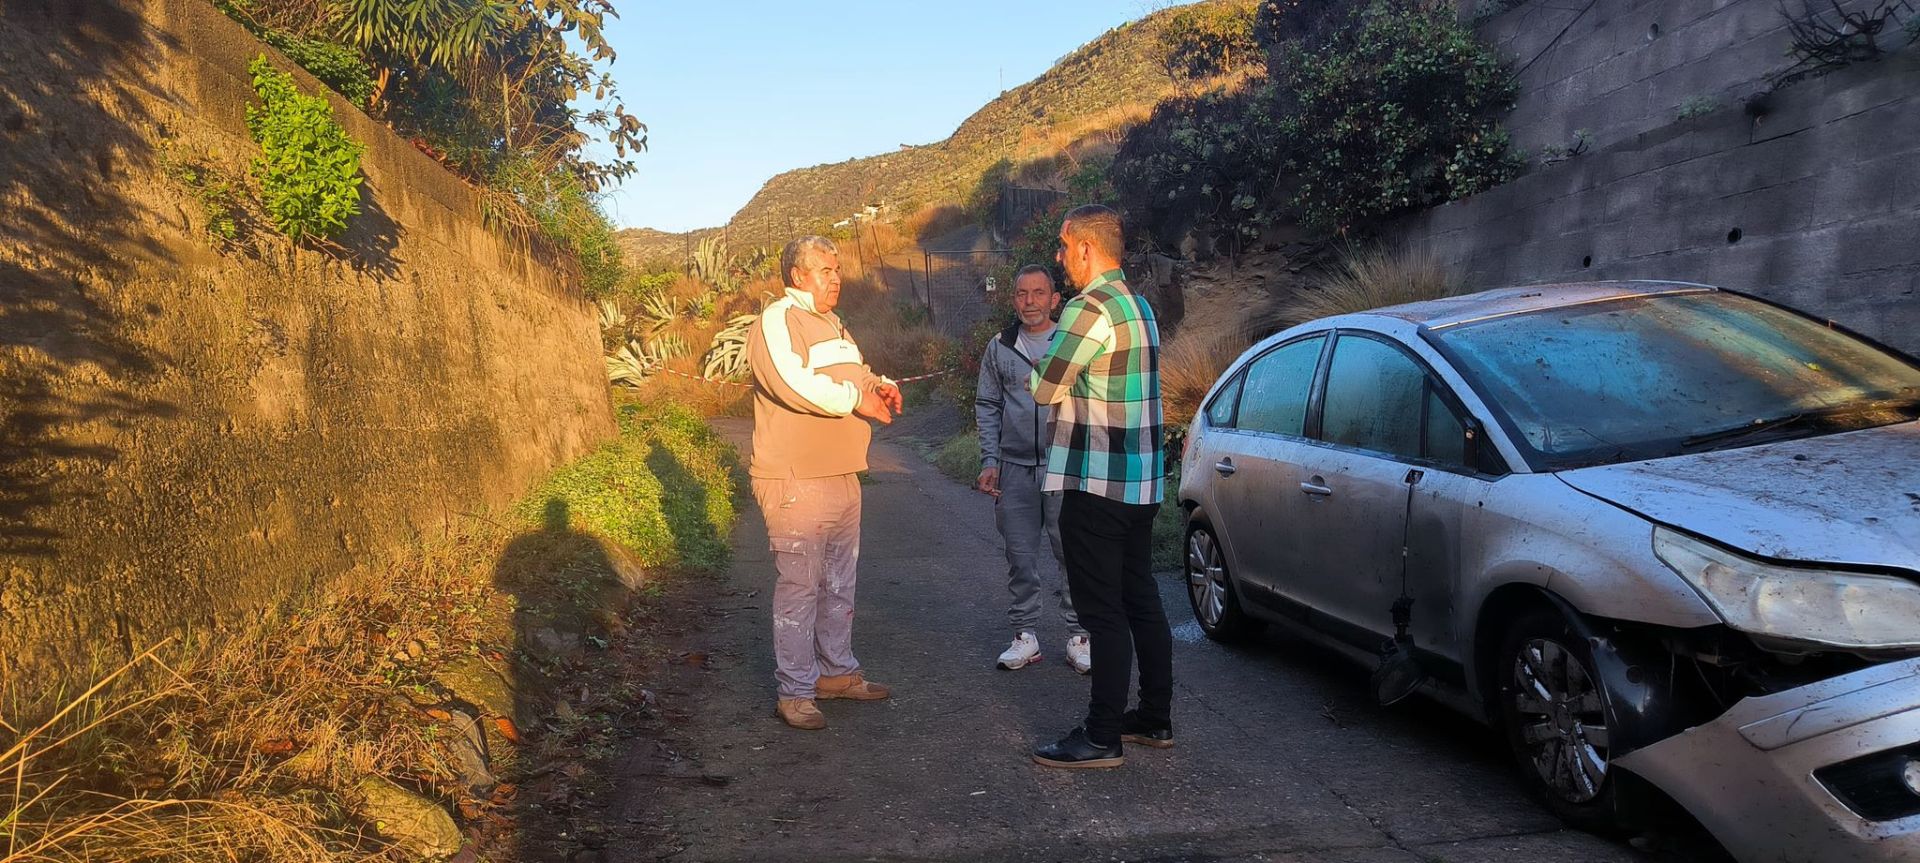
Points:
point(1481, 456)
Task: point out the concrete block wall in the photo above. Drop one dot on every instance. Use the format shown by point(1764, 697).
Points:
point(1815, 203)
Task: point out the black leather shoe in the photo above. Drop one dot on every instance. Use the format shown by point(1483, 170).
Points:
point(1075, 750)
point(1132, 730)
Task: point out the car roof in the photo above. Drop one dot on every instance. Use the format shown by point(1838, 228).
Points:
point(1500, 302)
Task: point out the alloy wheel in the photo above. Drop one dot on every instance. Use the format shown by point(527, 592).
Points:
point(1206, 578)
point(1560, 712)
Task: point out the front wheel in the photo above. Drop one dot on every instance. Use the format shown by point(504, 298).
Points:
point(1557, 717)
point(1210, 587)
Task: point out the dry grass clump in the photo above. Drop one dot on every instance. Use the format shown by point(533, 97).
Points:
point(1370, 279)
point(248, 747)
point(1191, 362)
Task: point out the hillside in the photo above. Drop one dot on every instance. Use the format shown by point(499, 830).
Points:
point(1122, 68)
point(640, 245)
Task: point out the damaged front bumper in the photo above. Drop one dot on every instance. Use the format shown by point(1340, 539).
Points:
point(1828, 772)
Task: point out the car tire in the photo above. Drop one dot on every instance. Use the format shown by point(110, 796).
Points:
point(1210, 587)
point(1556, 714)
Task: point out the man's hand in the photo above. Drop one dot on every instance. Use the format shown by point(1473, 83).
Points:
point(989, 481)
point(890, 393)
point(874, 407)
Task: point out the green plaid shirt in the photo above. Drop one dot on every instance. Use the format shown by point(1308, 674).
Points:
point(1103, 375)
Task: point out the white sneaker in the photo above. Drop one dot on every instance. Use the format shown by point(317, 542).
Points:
point(1024, 651)
point(1080, 654)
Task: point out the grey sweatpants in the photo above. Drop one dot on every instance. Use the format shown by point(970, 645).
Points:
point(813, 527)
point(1023, 512)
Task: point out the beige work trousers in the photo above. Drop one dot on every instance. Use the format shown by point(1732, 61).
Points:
point(813, 528)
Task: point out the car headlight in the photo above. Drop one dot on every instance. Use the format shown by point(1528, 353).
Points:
point(1821, 606)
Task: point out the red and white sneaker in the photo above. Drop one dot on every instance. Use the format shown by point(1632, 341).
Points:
point(1024, 651)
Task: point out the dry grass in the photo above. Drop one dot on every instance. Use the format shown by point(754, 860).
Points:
point(1107, 127)
point(896, 341)
point(935, 220)
point(249, 746)
point(1371, 279)
point(1191, 362)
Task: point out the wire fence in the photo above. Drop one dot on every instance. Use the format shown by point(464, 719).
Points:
point(958, 287)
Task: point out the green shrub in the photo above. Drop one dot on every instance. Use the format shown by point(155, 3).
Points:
point(566, 212)
point(663, 489)
point(336, 65)
point(309, 169)
point(1210, 162)
point(1208, 39)
point(1396, 114)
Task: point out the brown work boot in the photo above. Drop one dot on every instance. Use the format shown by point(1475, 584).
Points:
point(854, 686)
point(801, 713)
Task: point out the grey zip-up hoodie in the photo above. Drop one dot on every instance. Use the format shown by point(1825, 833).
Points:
point(1012, 426)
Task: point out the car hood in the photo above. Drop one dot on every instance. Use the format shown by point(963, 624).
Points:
point(1849, 498)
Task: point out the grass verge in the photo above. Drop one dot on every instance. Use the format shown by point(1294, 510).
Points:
point(446, 698)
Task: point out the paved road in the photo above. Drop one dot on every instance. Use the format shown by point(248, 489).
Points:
point(1281, 756)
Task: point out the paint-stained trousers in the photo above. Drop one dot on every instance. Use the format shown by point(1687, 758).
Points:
point(813, 527)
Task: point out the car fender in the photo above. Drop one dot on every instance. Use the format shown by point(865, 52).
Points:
point(1590, 556)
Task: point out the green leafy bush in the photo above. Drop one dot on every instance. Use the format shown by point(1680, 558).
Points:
point(663, 489)
point(309, 169)
point(336, 65)
point(1210, 162)
point(1398, 113)
point(1208, 39)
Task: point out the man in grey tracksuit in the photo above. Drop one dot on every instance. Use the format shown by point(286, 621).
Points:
point(1013, 464)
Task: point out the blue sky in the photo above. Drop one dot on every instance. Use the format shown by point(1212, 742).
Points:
point(735, 91)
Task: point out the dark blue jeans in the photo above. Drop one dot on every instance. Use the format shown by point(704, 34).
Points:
point(1109, 549)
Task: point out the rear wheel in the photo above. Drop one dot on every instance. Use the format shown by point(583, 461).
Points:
point(1210, 586)
point(1557, 717)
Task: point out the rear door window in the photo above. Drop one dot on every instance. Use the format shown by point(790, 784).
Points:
point(1274, 399)
point(1220, 411)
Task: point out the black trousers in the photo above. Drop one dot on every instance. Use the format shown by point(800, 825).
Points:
point(1109, 550)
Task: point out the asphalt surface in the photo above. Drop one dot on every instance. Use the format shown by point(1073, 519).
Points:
point(1280, 755)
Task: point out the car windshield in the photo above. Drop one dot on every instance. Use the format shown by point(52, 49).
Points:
point(1645, 377)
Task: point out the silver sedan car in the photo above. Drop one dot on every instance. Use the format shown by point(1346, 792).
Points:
point(1666, 537)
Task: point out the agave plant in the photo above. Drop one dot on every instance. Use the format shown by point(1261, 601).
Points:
point(632, 364)
point(656, 311)
point(712, 264)
point(610, 314)
point(726, 358)
point(629, 365)
point(702, 307)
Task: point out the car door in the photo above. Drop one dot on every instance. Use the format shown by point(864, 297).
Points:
point(1255, 461)
point(1384, 422)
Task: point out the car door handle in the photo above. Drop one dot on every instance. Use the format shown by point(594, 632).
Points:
point(1225, 467)
point(1316, 487)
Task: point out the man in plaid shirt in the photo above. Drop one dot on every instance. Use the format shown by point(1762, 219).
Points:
point(1102, 375)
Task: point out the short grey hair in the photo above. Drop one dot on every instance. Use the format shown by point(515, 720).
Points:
point(795, 252)
point(1038, 270)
